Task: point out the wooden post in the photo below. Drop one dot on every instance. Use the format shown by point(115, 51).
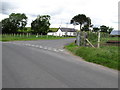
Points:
point(23, 34)
point(78, 39)
point(27, 34)
point(85, 36)
point(41, 34)
point(37, 35)
point(14, 34)
point(98, 40)
point(20, 34)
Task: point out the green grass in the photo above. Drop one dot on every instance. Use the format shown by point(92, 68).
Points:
point(31, 37)
point(53, 29)
point(28, 30)
point(106, 55)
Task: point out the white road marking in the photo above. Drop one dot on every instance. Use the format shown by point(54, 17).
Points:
point(45, 47)
point(55, 50)
point(61, 50)
point(28, 45)
point(49, 48)
point(32, 45)
point(38, 46)
point(23, 44)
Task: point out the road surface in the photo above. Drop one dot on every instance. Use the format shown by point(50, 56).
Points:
point(45, 64)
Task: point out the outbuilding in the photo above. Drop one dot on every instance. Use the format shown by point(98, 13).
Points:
point(115, 33)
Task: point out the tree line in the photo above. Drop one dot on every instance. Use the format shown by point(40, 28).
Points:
point(16, 23)
point(85, 24)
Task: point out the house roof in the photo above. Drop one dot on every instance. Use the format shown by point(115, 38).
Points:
point(115, 32)
point(68, 29)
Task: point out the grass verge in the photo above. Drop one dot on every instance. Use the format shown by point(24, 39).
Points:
point(5, 38)
point(106, 55)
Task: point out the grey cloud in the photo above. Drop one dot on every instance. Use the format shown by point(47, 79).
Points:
point(56, 12)
point(8, 7)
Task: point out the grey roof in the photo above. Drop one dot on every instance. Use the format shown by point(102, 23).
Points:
point(68, 29)
point(115, 32)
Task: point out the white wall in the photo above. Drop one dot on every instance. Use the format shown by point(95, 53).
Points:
point(71, 33)
point(50, 33)
point(60, 33)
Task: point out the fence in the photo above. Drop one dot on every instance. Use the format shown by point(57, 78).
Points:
point(90, 38)
point(27, 36)
point(23, 35)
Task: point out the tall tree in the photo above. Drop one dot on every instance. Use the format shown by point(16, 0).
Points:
point(110, 30)
point(14, 22)
point(41, 24)
point(104, 28)
point(96, 29)
point(81, 20)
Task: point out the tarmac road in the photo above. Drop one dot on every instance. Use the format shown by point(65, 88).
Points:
point(45, 64)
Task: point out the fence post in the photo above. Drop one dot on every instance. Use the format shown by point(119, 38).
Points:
point(78, 39)
point(85, 36)
point(41, 35)
point(27, 34)
point(98, 40)
point(23, 34)
point(20, 35)
point(14, 34)
point(37, 35)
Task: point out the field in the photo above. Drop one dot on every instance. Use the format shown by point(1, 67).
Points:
point(53, 29)
point(106, 55)
point(17, 37)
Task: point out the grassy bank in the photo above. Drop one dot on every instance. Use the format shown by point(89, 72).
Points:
point(106, 55)
point(31, 37)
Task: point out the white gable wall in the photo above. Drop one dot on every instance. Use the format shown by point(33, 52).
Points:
point(60, 33)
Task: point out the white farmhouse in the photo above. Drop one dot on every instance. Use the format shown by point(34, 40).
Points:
point(64, 32)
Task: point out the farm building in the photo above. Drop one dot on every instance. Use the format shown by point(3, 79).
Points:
point(115, 33)
point(64, 32)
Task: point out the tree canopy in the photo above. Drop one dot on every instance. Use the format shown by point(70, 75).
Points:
point(82, 20)
point(105, 29)
point(96, 29)
point(41, 24)
point(14, 22)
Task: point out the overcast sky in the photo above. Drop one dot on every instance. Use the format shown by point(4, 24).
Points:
point(101, 12)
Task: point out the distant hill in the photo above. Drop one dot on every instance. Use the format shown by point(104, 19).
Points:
point(53, 29)
point(50, 30)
